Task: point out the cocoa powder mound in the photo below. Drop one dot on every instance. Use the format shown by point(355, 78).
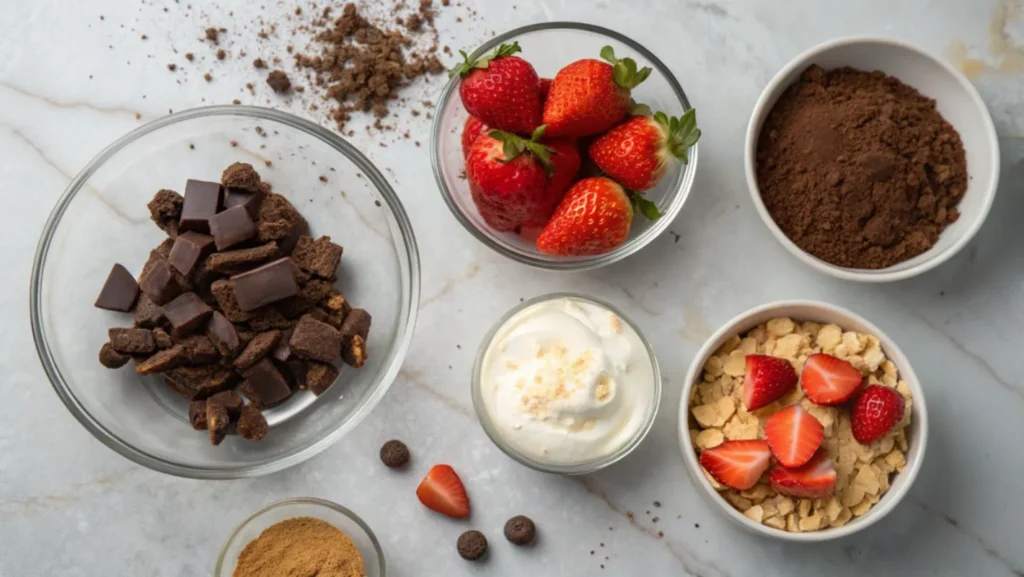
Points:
point(859, 169)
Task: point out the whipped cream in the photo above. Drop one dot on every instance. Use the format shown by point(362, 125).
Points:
point(567, 382)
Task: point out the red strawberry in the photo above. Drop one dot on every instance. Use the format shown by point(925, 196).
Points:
point(827, 380)
point(875, 413)
point(593, 218)
point(589, 96)
point(637, 152)
point(814, 480)
point(793, 435)
point(767, 379)
point(501, 90)
point(545, 87)
point(442, 491)
point(508, 180)
point(565, 156)
point(738, 464)
point(472, 130)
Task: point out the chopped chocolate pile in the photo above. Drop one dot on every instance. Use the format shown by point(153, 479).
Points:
point(238, 296)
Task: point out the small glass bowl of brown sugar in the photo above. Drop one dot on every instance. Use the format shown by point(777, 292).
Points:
point(304, 534)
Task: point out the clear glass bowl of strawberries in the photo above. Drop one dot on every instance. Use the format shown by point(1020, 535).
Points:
point(564, 146)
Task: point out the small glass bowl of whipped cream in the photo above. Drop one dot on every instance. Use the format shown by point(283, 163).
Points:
point(566, 384)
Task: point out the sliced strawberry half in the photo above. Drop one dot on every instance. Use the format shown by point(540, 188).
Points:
point(827, 380)
point(814, 480)
point(442, 491)
point(767, 379)
point(738, 464)
point(875, 413)
point(793, 435)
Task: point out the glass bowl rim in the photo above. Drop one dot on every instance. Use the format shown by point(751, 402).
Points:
point(678, 196)
point(293, 456)
point(346, 512)
point(580, 468)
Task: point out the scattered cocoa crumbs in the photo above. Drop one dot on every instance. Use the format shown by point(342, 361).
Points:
point(234, 143)
point(138, 116)
point(172, 67)
point(323, 179)
point(189, 56)
point(211, 35)
point(259, 63)
point(279, 81)
point(268, 163)
point(208, 77)
point(221, 54)
point(236, 101)
point(657, 503)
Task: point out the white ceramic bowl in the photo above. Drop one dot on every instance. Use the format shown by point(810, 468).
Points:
point(917, 432)
point(957, 101)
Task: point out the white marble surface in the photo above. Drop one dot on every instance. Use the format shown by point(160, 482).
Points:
point(69, 506)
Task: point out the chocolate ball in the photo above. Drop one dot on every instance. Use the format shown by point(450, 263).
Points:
point(472, 545)
point(394, 454)
point(520, 530)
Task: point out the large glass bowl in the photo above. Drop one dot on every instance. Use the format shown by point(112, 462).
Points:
point(549, 47)
point(102, 219)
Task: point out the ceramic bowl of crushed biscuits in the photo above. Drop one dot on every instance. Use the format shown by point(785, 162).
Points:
point(871, 159)
point(802, 421)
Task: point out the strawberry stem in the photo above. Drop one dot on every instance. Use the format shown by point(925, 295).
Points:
point(681, 133)
point(468, 65)
point(626, 74)
point(514, 145)
point(645, 207)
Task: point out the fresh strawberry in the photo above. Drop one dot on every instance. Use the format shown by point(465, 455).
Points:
point(442, 491)
point(793, 435)
point(593, 218)
point(589, 96)
point(565, 156)
point(508, 179)
point(814, 480)
point(738, 464)
point(767, 379)
point(827, 380)
point(545, 87)
point(502, 90)
point(472, 130)
point(875, 413)
point(637, 152)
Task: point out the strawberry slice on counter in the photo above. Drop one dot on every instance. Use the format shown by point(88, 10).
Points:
point(590, 96)
point(508, 179)
point(593, 218)
point(875, 413)
point(473, 128)
point(827, 380)
point(442, 491)
point(793, 435)
point(814, 480)
point(767, 378)
point(637, 152)
point(500, 89)
point(738, 464)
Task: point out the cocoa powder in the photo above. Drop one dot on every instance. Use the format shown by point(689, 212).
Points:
point(859, 169)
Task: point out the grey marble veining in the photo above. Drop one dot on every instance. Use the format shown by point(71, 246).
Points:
point(70, 83)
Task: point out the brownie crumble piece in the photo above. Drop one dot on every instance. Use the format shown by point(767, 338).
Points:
point(319, 257)
point(315, 340)
point(278, 80)
point(132, 341)
point(112, 359)
point(320, 377)
point(252, 425)
point(165, 211)
point(241, 176)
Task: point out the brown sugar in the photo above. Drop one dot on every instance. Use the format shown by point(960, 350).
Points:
point(859, 169)
point(301, 546)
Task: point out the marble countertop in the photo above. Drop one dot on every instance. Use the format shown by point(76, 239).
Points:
point(74, 76)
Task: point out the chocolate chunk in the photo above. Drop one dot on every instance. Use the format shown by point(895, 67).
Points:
point(199, 350)
point(187, 313)
point(132, 341)
point(147, 313)
point(162, 361)
point(236, 261)
point(353, 352)
point(264, 285)
point(202, 201)
point(119, 292)
point(264, 384)
point(224, 291)
point(268, 318)
point(217, 422)
point(163, 250)
point(520, 530)
point(252, 425)
point(319, 257)
point(472, 545)
point(320, 377)
point(231, 401)
point(223, 335)
point(250, 200)
point(394, 454)
point(112, 359)
point(159, 282)
point(188, 249)
point(165, 211)
point(197, 415)
point(320, 315)
point(202, 281)
point(242, 176)
point(257, 348)
point(231, 226)
point(293, 307)
point(201, 381)
point(163, 340)
point(280, 221)
point(356, 323)
point(294, 371)
point(315, 340)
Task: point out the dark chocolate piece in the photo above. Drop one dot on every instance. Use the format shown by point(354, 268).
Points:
point(319, 257)
point(120, 291)
point(250, 200)
point(252, 425)
point(159, 282)
point(257, 348)
point(187, 313)
point(357, 322)
point(294, 371)
point(224, 291)
point(188, 249)
point(231, 226)
point(165, 211)
point(202, 381)
point(163, 340)
point(148, 314)
point(231, 401)
point(264, 384)
point(223, 335)
point(353, 352)
point(217, 422)
point(315, 340)
point(132, 341)
point(321, 315)
point(202, 201)
point(199, 350)
point(320, 377)
point(264, 285)
point(197, 415)
point(236, 261)
point(112, 359)
point(162, 361)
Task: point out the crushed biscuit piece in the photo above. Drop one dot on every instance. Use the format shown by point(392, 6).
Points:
point(755, 514)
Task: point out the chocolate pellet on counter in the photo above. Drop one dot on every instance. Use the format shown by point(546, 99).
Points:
point(231, 226)
point(223, 335)
point(319, 257)
point(217, 422)
point(472, 545)
point(320, 377)
point(131, 341)
point(241, 176)
point(119, 292)
point(165, 211)
point(147, 313)
point(520, 530)
point(162, 361)
point(202, 201)
point(394, 454)
point(257, 348)
point(264, 385)
point(235, 261)
point(265, 285)
point(231, 400)
point(252, 425)
point(197, 415)
point(112, 359)
point(188, 249)
point(315, 340)
point(159, 282)
point(186, 313)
